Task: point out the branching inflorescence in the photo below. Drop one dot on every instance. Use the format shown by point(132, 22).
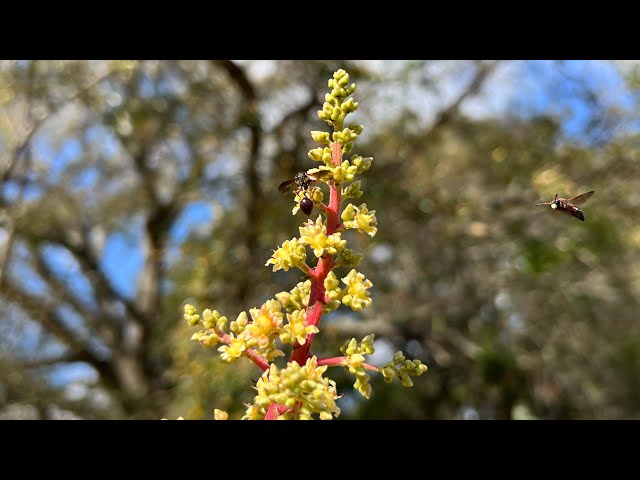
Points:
point(300, 390)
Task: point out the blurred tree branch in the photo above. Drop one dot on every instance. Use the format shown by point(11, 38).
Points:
point(483, 71)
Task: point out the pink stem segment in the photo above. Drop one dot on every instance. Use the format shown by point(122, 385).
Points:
point(343, 362)
point(316, 297)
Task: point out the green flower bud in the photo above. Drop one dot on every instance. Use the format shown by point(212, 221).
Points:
point(348, 258)
point(240, 323)
point(209, 340)
point(355, 128)
point(191, 315)
point(367, 344)
point(388, 373)
point(398, 358)
point(406, 380)
point(316, 154)
point(331, 281)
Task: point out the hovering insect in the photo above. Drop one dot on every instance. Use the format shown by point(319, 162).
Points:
point(569, 206)
point(302, 181)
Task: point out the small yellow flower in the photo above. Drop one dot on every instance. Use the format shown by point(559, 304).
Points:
point(254, 412)
point(357, 296)
point(360, 218)
point(220, 415)
point(233, 351)
point(296, 330)
point(267, 322)
point(290, 255)
point(315, 235)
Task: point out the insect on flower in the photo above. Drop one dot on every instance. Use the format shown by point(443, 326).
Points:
point(302, 182)
point(569, 206)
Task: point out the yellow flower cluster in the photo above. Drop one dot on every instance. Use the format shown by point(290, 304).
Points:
point(213, 319)
point(337, 106)
point(355, 358)
point(357, 294)
point(213, 323)
point(297, 298)
point(315, 235)
point(361, 218)
point(321, 154)
point(290, 255)
point(260, 333)
point(403, 368)
point(361, 164)
point(344, 172)
point(191, 315)
point(302, 389)
point(295, 329)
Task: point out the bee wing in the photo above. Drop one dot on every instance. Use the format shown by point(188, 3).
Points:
point(316, 174)
point(580, 198)
point(286, 186)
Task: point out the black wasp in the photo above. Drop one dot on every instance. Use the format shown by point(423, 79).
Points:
point(302, 181)
point(569, 206)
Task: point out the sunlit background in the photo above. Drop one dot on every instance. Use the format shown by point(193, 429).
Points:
point(128, 188)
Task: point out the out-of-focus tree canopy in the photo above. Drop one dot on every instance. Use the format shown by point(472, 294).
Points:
point(128, 188)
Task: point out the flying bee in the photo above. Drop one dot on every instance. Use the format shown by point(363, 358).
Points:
point(302, 182)
point(569, 206)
